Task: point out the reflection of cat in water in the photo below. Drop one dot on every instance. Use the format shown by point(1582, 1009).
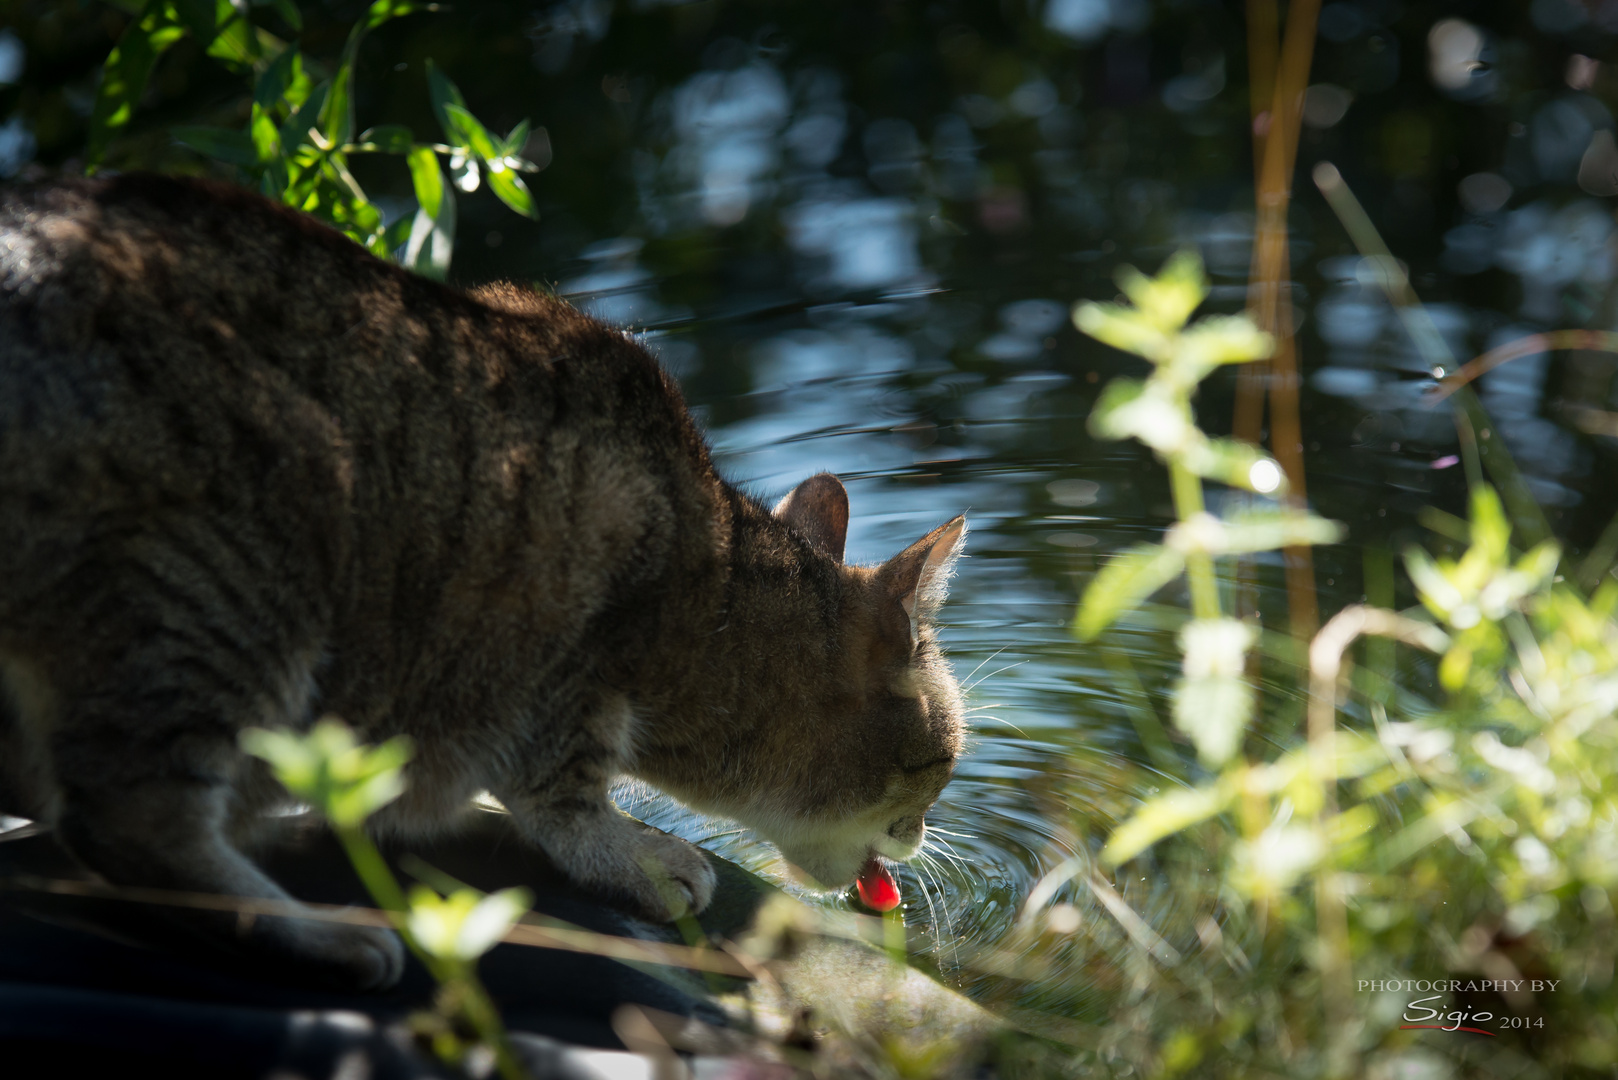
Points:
point(249, 473)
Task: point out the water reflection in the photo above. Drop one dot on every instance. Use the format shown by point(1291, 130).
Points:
point(934, 254)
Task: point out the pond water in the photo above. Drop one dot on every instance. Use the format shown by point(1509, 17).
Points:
point(858, 244)
point(855, 233)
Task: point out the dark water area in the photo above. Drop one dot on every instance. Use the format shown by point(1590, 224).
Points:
point(856, 231)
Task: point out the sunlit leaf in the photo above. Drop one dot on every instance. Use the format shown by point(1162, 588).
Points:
point(383, 10)
point(432, 238)
point(471, 132)
point(1267, 867)
point(1213, 711)
point(1130, 409)
point(1163, 816)
point(1122, 328)
point(124, 75)
point(295, 132)
point(1230, 461)
point(327, 768)
point(1222, 339)
point(1253, 531)
point(1168, 299)
point(1127, 579)
point(465, 924)
point(1432, 586)
point(427, 178)
point(282, 72)
point(235, 41)
point(508, 184)
point(515, 139)
point(1214, 702)
point(337, 118)
point(1491, 530)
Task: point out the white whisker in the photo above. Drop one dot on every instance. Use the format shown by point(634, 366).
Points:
point(968, 689)
point(985, 660)
point(1002, 720)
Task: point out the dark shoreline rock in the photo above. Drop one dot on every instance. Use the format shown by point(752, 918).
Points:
point(90, 980)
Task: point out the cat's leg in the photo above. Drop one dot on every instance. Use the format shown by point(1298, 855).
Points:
point(146, 762)
point(566, 810)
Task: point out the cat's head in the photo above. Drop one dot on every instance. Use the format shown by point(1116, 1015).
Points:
point(878, 743)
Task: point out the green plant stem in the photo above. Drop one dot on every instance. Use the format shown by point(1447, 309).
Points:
point(475, 1003)
point(1199, 567)
point(485, 1018)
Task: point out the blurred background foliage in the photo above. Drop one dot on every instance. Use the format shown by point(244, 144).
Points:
point(856, 232)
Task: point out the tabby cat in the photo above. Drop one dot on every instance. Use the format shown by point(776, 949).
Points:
point(250, 474)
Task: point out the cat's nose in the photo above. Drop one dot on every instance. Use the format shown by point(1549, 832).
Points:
point(907, 830)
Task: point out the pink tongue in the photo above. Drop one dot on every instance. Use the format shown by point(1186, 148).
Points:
point(878, 890)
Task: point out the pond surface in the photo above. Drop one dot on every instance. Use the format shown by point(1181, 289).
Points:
point(857, 242)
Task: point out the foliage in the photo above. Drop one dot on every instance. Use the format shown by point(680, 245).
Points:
point(1327, 880)
point(347, 782)
point(1215, 704)
point(300, 132)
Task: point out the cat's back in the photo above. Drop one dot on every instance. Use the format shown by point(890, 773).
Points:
point(183, 358)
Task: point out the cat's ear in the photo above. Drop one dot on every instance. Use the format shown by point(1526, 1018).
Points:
point(918, 577)
point(818, 508)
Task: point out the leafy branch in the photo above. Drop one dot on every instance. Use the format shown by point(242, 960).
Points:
point(300, 131)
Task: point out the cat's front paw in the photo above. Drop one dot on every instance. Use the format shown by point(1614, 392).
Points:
point(365, 958)
point(661, 877)
point(674, 880)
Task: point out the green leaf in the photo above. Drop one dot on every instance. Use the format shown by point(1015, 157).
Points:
point(442, 93)
point(327, 768)
point(266, 138)
point(465, 924)
point(1214, 702)
point(235, 41)
point(472, 134)
point(395, 236)
point(282, 72)
point(1129, 578)
point(1432, 586)
point(383, 10)
point(512, 144)
point(200, 17)
point(508, 184)
point(1163, 816)
point(432, 240)
point(337, 118)
point(427, 177)
point(1491, 531)
point(124, 75)
point(1232, 462)
point(295, 132)
point(1267, 866)
point(1267, 530)
point(1130, 409)
point(1223, 339)
point(289, 11)
point(1167, 300)
point(1122, 328)
point(389, 138)
point(221, 144)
